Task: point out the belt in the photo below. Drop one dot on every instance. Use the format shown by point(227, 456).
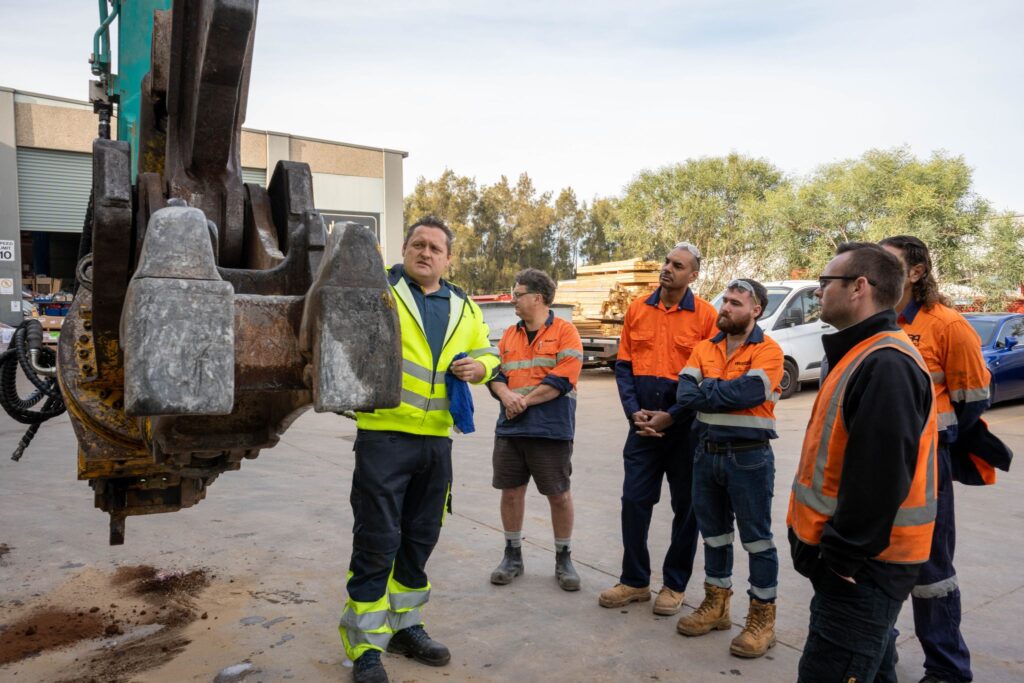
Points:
point(734, 446)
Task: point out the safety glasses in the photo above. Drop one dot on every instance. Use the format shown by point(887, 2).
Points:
point(823, 280)
point(741, 284)
point(690, 247)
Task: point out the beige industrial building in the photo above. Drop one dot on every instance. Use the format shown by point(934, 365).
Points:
point(46, 171)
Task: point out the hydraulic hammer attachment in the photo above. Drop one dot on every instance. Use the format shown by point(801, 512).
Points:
point(210, 314)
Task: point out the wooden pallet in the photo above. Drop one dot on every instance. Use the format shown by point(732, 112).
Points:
point(602, 292)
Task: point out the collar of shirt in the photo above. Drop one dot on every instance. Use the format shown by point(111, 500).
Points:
point(547, 323)
point(756, 336)
point(910, 312)
point(444, 292)
point(838, 344)
point(687, 303)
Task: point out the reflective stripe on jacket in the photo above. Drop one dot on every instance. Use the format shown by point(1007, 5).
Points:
point(817, 482)
point(952, 351)
point(555, 358)
point(424, 407)
point(734, 397)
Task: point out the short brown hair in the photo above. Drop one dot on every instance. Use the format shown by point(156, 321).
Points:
point(882, 270)
point(760, 292)
point(431, 222)
point(538, 282)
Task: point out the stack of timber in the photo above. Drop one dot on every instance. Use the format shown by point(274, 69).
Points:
point(601, 293)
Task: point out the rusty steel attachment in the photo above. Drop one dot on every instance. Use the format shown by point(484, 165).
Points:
point(211, 313)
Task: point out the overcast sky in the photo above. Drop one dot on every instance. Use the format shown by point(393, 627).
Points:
point(587, 94)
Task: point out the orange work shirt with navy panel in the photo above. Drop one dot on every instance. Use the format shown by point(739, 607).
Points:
point(655, 344)
point(952, 351)
point(734, 396)
point(554, 358)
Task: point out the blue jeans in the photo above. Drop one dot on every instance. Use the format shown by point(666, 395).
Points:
point(647, 461)
point(737, 484)
point(851, 637)
point(936, 597)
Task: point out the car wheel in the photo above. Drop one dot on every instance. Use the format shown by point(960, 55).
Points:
point(789, 382)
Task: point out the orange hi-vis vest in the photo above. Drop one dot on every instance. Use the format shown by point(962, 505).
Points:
point(818, 479)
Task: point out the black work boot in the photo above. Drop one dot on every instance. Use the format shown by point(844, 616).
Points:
point(566, 574)
point(368, 669)
point(414, 642)
point(511, 566)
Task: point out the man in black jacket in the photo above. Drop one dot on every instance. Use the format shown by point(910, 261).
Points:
point(862, 509)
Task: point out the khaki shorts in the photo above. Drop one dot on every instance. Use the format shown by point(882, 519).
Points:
point(516, 458)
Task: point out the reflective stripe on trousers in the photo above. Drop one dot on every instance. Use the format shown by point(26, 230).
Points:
point(370, 625)
point(406, 605)
point(364, 626)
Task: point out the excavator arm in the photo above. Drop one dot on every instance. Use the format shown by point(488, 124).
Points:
point(210, 313)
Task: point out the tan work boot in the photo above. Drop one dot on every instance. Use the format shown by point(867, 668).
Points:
point(668, 601)
point(621, 595)
point(759, 633)
point(713, 613)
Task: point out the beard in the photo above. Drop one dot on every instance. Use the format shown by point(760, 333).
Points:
point(730, 326)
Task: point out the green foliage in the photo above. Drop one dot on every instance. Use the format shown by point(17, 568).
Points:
point(717, 203)
point(747, 217)
point(505, 227)
point(997, 267)
point(883, 193)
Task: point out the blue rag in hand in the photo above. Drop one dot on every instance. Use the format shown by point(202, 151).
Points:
point(460, 400)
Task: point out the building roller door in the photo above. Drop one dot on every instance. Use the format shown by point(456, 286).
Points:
point(53, 189)
point(254, 176)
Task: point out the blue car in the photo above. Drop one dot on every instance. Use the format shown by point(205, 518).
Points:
point(1002, 345)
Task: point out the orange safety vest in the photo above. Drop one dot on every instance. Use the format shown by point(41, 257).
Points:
point(819, 476)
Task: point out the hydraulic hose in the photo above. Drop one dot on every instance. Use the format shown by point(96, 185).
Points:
point(38, 363)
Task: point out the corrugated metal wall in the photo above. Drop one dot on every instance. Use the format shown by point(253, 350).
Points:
point(256, 176)
point(53, 189)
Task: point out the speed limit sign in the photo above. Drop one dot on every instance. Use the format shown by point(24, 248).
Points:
point(6, 250)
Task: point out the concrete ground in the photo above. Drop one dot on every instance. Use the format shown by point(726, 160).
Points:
point(276, 536)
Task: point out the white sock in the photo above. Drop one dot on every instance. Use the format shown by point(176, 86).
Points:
point(563, 544)
point(515, 538)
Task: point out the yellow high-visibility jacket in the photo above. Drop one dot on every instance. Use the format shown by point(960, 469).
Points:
point(424, 407)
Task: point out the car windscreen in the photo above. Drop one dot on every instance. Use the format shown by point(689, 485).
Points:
point(776, 295)
point(984, 328)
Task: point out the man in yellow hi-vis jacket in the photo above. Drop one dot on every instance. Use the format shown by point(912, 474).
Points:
point(401, 486)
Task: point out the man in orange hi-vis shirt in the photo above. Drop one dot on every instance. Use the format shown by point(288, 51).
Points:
point(541, 359)
point(952, 350)
point(732, 381)
point(658, 335)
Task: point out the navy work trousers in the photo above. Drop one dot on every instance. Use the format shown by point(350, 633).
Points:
point(647, 461)
point(936, 597)
point(400, 490)
point(850, 638)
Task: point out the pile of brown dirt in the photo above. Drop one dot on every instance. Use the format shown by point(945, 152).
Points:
point(47, 629)
point(171, 584)
point(147, 613)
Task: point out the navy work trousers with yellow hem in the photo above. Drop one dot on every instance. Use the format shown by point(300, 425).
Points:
point(400, 492)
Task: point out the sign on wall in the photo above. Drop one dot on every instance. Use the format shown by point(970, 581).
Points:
point(6, 250)
point(369, 220)
point(6, 285)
